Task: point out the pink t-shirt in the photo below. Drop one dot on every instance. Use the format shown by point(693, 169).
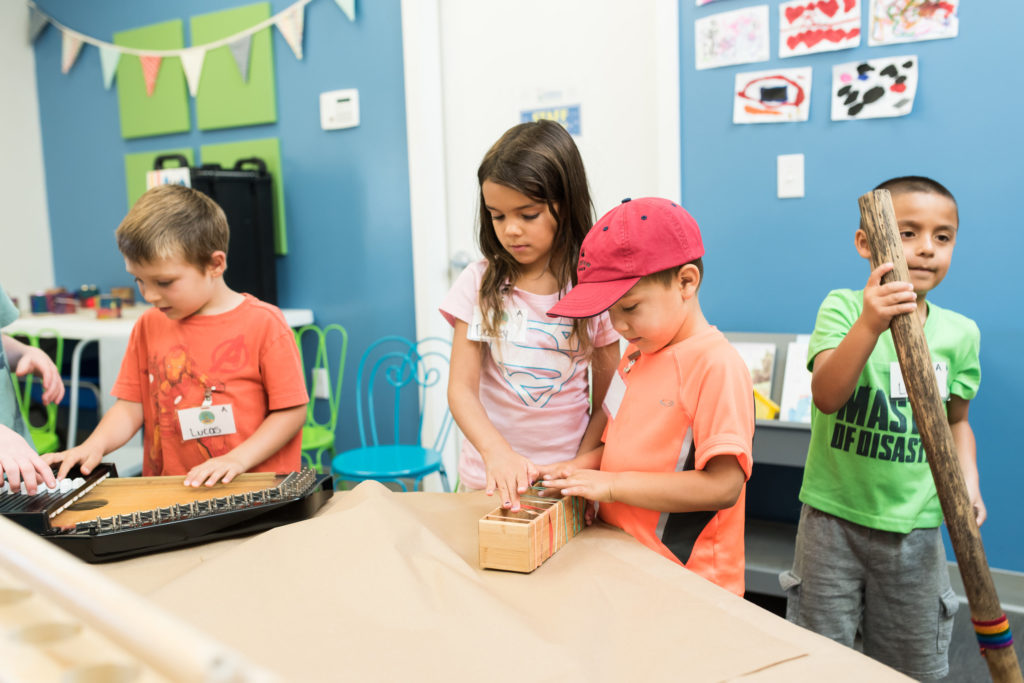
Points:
point(534, 384)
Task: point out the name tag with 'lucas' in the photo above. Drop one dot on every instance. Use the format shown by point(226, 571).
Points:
point(197, 423)
point(512, 328)
point(897, 389)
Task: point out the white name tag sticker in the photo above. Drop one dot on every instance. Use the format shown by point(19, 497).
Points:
point(197, 423)
point(613, 398)
point(897, 389)
point(512, 328)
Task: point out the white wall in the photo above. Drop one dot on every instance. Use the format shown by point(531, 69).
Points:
point(26, 258)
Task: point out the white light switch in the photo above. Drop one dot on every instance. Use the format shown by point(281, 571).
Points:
point(790, 175)
point(339, 109)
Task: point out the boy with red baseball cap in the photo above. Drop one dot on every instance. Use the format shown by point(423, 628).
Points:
point(676, 456)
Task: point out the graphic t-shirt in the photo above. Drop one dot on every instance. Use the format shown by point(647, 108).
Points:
point(10, 413)
point(865, 462)
point(245, 357)
point(683, 406)
point(533, 383)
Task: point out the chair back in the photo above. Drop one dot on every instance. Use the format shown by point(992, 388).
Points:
point(23, 385)
point(328, 347)
point(397, 375)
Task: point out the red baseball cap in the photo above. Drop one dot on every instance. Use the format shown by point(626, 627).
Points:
point(636, 238)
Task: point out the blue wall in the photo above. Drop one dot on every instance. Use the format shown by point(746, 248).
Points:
point(347, 201)
point(771, 261)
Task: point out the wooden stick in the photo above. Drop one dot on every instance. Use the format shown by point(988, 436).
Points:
point(169, 645)
point(879, 222)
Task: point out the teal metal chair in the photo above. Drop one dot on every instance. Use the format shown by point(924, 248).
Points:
point(397, 375)
point(328, 347)
point(44, 437)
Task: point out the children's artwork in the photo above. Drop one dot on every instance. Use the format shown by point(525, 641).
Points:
point(907, 21)
point(777, 96)
point(701, 3)
point(736, 37)
point(872, 89)
point(795, 405)
point(807, 26)
point(760, 359)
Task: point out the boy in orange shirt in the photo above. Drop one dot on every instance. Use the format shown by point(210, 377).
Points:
point(213, 375)
point(677, 449)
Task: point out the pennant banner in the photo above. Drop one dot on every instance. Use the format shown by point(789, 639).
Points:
point(348, 7)
point(109, 58)
point(37, 21)
point(150, 70)
point(290, 24)
point(240, 51)
point(71, 45)
point(192, 65)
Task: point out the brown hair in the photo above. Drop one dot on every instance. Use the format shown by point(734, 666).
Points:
point(173, 220)
point(667, 277)
point(539, 160)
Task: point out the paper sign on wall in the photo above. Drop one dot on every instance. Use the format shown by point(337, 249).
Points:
point(806, 26)
point(736, 37)
point(906, 21)
point(777, 96)
point(875, 88)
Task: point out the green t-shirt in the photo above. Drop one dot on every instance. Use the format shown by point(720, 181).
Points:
point(10, 413)
point(865, 462)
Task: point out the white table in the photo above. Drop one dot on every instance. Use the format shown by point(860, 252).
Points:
point(111, 336)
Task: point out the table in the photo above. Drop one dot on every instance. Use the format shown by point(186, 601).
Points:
point(385, 586)
point(111, 336)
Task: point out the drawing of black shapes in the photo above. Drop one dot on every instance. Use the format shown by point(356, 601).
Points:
point(849, 93)
point(864, 68)
point(875, 93)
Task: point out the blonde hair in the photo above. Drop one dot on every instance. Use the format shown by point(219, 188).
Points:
point(173, 220)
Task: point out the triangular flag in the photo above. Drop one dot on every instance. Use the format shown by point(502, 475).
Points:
point(290, 26)
point(109, 57)
point(348, 7)
point(37, 21)
point(150, 70)
point(240, 51)
point(192, 65)
point(71, 45)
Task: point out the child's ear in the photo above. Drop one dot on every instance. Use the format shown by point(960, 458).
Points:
point(860, 240)
point(217, 264)
point(688, 277)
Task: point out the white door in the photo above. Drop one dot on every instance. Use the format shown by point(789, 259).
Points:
point(472, 67)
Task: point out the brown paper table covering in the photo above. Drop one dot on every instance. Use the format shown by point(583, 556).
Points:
point(385, 586)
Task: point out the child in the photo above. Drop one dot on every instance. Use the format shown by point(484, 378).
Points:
point(19, 461)
point(518, 385)
point(677, 450)
point(213, 375)
point(869, 555)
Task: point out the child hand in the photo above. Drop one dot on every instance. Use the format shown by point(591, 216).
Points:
point(511, 475)
point(22, 464)
point(882, 303)
point(590, 484)
point(85, 456)
point(221, 469)
point(556, 470)
point(978, 505)
point(35, 360)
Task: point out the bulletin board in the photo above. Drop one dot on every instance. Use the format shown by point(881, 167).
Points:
point(166, 110)
point(225, 99)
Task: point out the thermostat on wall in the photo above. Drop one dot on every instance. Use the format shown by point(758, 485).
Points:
point(339, 109)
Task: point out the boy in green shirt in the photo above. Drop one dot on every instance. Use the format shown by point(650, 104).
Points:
point(869, 553)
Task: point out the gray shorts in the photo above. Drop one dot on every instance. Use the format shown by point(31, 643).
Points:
point(893, 588)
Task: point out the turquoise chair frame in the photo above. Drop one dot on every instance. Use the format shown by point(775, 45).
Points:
point(318, 433)
point(390, 368)
point(44, 437)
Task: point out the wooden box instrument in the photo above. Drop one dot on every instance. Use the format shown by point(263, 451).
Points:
point(521, 541)
point(107, 518)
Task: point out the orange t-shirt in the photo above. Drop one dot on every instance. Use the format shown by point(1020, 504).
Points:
point(248, 355)
point(682, 406)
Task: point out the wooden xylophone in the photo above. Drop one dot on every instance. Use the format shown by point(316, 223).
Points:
point(107, 518)
point(521, 541)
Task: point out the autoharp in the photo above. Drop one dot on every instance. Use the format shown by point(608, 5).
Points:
point(108, 518)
